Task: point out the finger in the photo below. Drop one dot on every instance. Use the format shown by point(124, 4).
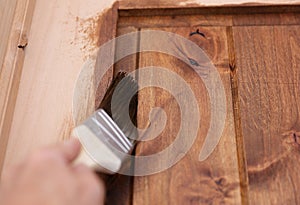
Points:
point(67, 150)
point(70, 149)
point(11, 173)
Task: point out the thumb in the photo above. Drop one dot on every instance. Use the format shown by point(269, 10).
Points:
point(67, 151)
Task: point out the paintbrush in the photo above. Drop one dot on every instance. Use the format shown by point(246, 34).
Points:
point(110, 132)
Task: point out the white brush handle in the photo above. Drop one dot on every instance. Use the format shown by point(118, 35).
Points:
point(95, 153)
point(85, 159)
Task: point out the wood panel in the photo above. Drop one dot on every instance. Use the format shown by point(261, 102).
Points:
point(176, 20)
point(120, 187)
point(268, 68)
point(12, 65)
point(263, 19)
point(63, 36)
point(7, 13)
point(129, 4)
point(214, 181)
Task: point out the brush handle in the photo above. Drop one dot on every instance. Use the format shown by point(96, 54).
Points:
point(85, 159)
point(95, 152)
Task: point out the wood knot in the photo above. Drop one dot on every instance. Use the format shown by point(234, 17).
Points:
point(292, 138)
point(22, 46)
point(232, 66)
point(23, 41)
point(221, 181)
point(296, 138)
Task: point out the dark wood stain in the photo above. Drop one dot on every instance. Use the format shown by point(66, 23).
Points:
point(256, 50)
point(268, 62)
point(197, 32)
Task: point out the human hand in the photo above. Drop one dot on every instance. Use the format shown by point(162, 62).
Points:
point(48, 177)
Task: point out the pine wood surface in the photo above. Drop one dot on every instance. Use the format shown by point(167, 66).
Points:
point(120, 187)
point(7, 12)
point(268, 68)
point(259, 65)
point(128, 4)
point(214, 181)
point(7, 17)
point(267, 42)
point(62, 38)
point(16, 18)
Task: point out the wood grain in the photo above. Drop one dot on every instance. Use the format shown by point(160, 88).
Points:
point(129, 4)
point(268, 61)
point(234, 9)
point(7, 13)
point(244, 182)
point(120, 187)
point(176, 21)
point(265, 19)
point(12, 64)
point(215, 181)
point(58, 46)
point(107, 26)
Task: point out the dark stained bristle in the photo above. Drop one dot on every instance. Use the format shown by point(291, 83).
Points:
point(128, 86)
point(106, 101)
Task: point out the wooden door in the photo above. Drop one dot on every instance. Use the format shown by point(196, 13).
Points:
point(254, 47)
point(256, 52)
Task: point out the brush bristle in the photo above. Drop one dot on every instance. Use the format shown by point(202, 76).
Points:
point(123, 89)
